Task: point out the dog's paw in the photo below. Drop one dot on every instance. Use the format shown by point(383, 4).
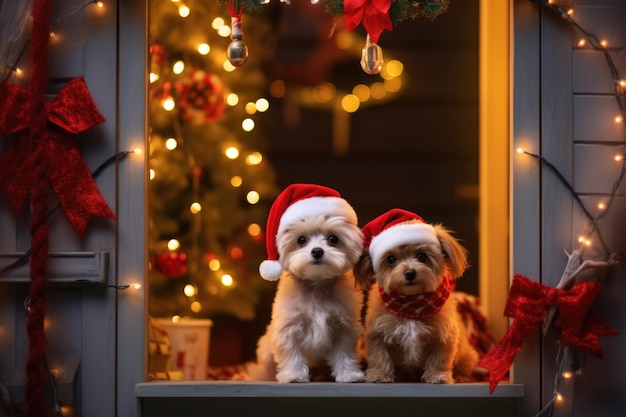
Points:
point(292, 376)
point(350, 376)
point(378, 376)
point(438, 377)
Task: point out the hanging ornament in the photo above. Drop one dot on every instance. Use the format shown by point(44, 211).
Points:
point(371, 57)
point(237, 51)
point(171, 264)
point(201, 97)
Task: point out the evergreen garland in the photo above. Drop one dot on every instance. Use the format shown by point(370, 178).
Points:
point(399, 11)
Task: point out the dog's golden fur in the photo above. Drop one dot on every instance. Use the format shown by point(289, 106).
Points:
point(435, 348)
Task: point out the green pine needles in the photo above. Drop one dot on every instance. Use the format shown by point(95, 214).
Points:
point(399, 11)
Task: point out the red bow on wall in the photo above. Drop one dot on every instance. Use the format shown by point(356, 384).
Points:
point(528, 302)
point(72, 111)
point(373, 13)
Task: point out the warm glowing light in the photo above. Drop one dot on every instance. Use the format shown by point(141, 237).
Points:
point(253, 197)
point(262, 105)
point(622, 83)
point(154, 77)
point(278, 88)
point(217, 23)
point(175, 318)
point(137, 151)
point(224, 31)
point(350, 103)
point(567, 375)
point(618, 158)
point(231, 152)
point(100, 4)
point(582, 43)
point(324, 92)
point(183, 10)
point(236, 252)
point(169, 104)
point(343, 40)
point(135, 285)
point(604, 43)
point(196, 307)
point(178, 67)
point(247, 125)
point(601, 205)
point(378, 90)
point(171, 144)
point(214, 265)
point(254, 158)
point(152, 174)
point(189, 290)
point(250, 107)
point(520, 150)
point(228, 67)
point(254, 230)
point(204, 49)
point(227, 280)
point(558, 397)
point(393, 85)
point(619, 119)
point(232, 99)
point(195, 208)
point(570, 12)
point(394, 68)
point(236, 181)
point(173, 244)
point(362, 92)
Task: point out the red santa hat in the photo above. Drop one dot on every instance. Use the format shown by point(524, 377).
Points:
point(395, 228)
point(295, 203)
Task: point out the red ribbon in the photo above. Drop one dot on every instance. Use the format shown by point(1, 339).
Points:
point(71, 112)
point(373, 13)
point(528, 302)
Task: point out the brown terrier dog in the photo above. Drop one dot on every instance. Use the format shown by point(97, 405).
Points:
point(412, 324)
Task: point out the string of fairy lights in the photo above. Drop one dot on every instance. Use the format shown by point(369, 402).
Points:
point(568, 364)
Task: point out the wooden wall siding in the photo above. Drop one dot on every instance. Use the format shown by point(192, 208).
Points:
point(578, 135)
point(80, 321)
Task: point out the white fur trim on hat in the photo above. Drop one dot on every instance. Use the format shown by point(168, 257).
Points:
point(270, 270)
point(316, 206)
point(400, 234)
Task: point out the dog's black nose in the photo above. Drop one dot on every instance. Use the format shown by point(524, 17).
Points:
point(410, 274)
point(317, 253)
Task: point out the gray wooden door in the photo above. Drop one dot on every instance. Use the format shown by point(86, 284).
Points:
point(565, 110)
point(87, 339)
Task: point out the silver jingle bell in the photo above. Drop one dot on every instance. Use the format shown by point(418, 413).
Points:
point(237, 52)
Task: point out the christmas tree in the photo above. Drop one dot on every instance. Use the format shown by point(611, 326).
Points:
point(210, 184)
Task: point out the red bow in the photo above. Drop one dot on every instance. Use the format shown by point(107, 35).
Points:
point(373, 13)
point(71, 112)
point(528, 303)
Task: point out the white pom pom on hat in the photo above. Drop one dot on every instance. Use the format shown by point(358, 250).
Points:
point(395, 228)
point(295, 203)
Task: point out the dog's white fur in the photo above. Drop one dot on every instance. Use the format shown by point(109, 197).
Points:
point(437, 347)
point(315, 314)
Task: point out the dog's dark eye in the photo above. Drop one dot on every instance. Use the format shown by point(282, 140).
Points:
point(302, 241)
point(391, 260)
point(333, 240)
point(421, 256)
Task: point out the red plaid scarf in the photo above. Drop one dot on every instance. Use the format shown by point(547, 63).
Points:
point(418, 306)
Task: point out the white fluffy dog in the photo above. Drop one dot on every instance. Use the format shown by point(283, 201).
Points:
point(315, 314)
point(412, 323)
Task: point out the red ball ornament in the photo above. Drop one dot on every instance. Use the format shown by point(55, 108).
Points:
point(202, 98)
point(171, 264)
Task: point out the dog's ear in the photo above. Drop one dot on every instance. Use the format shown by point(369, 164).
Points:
point(456, 254)
point(363, 271)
